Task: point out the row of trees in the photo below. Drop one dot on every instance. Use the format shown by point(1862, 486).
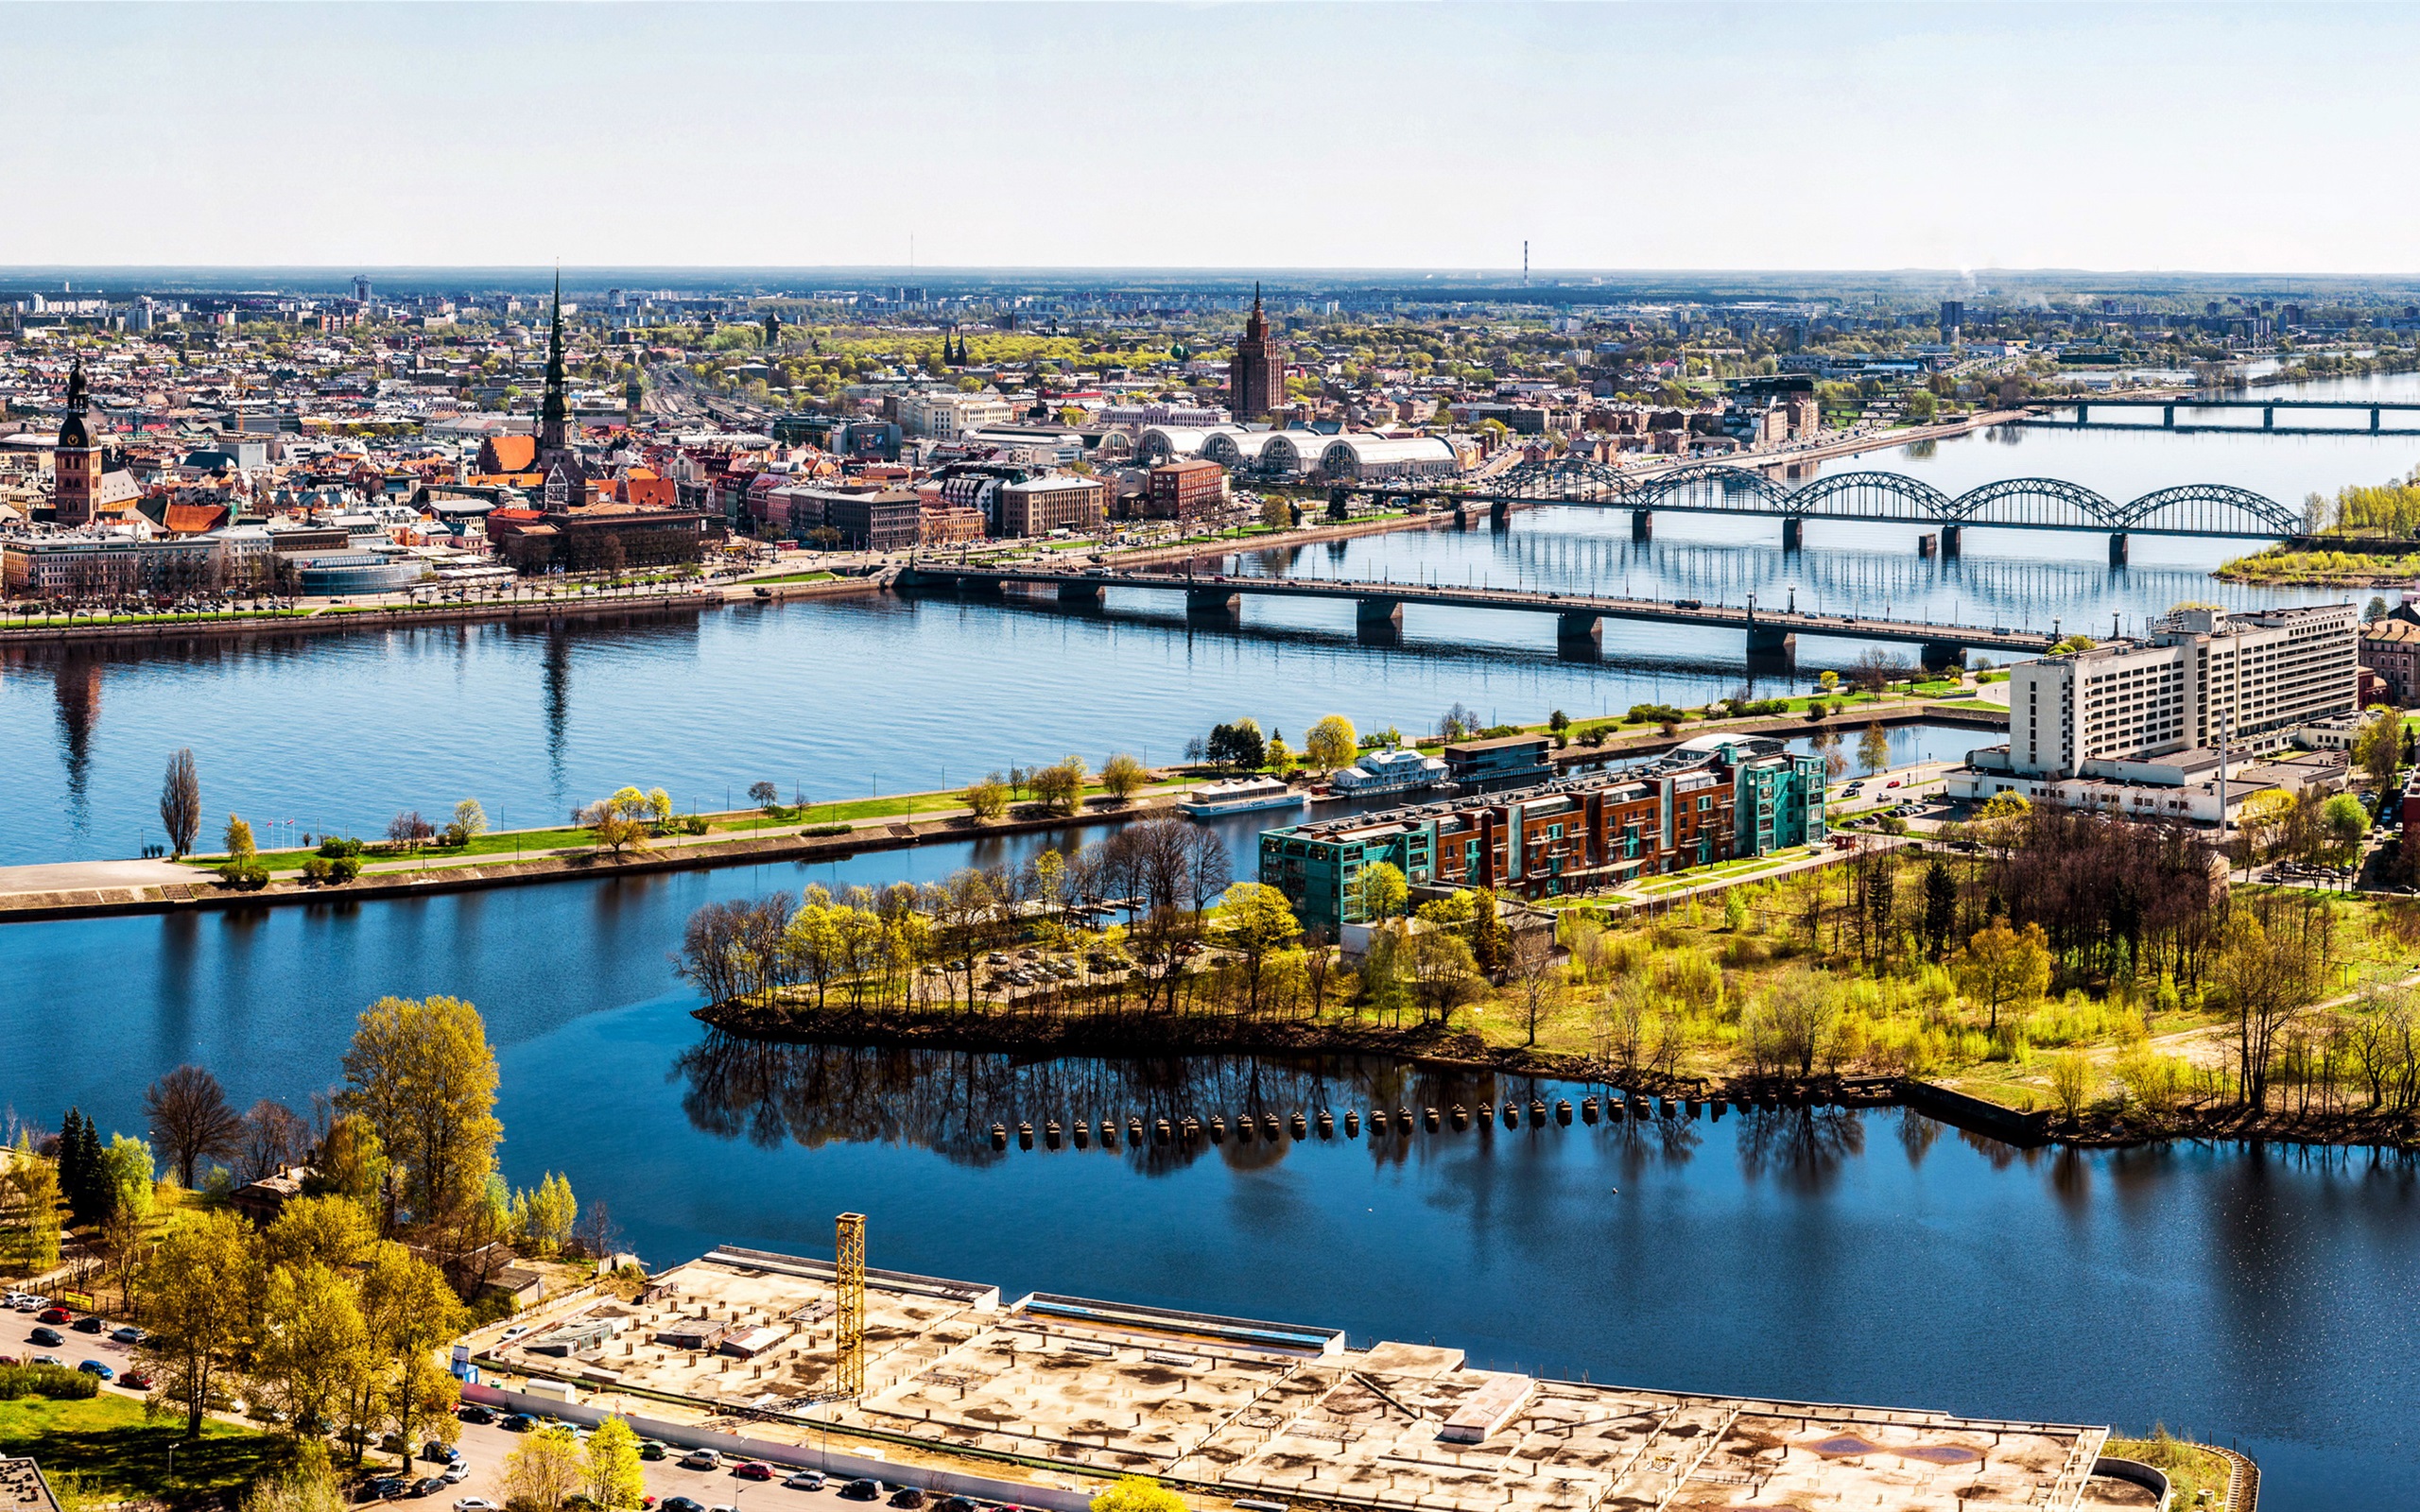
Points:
point(1059, 787)
point(1330, 742)
point(1161, 875)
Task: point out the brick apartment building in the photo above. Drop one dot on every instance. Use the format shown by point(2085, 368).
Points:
point(1184, 491)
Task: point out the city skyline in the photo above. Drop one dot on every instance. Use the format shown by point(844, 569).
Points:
point(1821, 137)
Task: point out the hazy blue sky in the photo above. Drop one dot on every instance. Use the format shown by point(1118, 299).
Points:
point(2273, 137)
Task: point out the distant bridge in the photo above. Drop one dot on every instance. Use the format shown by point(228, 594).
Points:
point(1772, 636)
point(2081, 419)
point(2217, 509)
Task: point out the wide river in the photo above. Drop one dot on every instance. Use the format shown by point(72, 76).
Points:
point(2255, 1295)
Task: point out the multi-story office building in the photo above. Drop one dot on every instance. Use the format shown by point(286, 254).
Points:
point(945, 417)
point(1256, 373)
point(1712, 799)
point(2168, 710)
point(1184, 491)
point(886, 520)
point(1039, 506)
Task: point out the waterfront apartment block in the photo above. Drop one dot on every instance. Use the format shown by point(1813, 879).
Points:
point(1714, 798)
point(2164, 726)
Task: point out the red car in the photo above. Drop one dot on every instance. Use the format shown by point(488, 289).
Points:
point(53, 1315)
point(754, 1469)
point(136, 1380)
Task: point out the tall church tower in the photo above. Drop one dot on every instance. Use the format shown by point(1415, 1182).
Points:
point(556, 451)
point(1256, 373)
point(77, 461)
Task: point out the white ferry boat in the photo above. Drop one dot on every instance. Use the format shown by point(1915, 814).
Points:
point(1242, 794)
point(1393, 770)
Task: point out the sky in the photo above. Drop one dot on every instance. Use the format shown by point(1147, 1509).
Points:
point(2271, 138)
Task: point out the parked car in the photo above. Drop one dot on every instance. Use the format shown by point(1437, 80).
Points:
point(48, 1359)
point(427, 1485)
point(861, 1491)
point(908, 1497)
point(702, 1459)
point(94, 1368)
point(128, 1335)
point(805, 1481)
point(653, 1449)
point(475, 1503)
point(518, 1422)
point(442, 1454)
point(458, 1473)
point(473, 1412)
point(681, 1504)
point(136, 1380)
point(55, 1314)
point(89, 1323)
point(47, 1336)
point(753, 1470)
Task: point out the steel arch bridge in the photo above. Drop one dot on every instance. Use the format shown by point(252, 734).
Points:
point(2022, 504)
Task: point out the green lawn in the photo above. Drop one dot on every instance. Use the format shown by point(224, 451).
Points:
point(792, 577)
point(1983, 704)
point(118, 1456)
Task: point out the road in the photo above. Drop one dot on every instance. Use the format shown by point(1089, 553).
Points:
point(485, 1448)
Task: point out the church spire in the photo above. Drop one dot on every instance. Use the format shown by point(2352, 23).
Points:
point(71, 430)
point(554, 415)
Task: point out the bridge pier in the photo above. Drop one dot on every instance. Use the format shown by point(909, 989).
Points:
point(1378, 620)
point(2118, 548)
point(1928, 545)
point(2268, 417)
point(1936, 655)
point(2167, 417)
point(1793, 532)
point(977, 588)
point(1212, 602)
point(1579, 636)
point(1082, 596)
point(1498, 511)
point(1771, 648)
point(2373, 419)
point(1642, 524)
point(1953, 540)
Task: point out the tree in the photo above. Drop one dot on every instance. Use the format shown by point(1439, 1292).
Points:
point(1829, 683)
point(1941, 908)
point(198, 1289)
point(237, 841)
point(1443, 973)
point(2265, 978)
point(1331, 742)
point(1794, 1024)
point(611, 828)
point(764, 795)
point(2378, 747)
point(314, 1344)
point(273, 1136)
point(1920, 405)
point(1060, 784)
point(29, 1210)
point(409, 830)
point(1279, 758)
point(1874, 748)
point(1237, 746)
point(1254, 921)
point(421, 1073)
point(181, 803)
point(2071, 1082)
point(987, 800)
point(542, 1220)
point(128, 1170)
point(544, 1470)
point(309, 1484)
point(1381, 891)
point(1138, 1493)
point(2003, 968)
point(1123, 777)
point(410, 1313)
point(351, 1162)
point(613, 1478)
point(330, 1230)
point(471, 819)
point(1534, 976)
point(189, 1117)
point(2343, 820)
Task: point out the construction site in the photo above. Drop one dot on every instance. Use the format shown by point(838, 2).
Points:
point(1041, 1401)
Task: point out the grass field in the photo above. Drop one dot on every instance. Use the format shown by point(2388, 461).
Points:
point(117, 1455)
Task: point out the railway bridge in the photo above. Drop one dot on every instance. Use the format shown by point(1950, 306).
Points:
point(2206, 510)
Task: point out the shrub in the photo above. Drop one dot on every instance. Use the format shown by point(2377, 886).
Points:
point(689, 824)
point(826, 828)
point(453, 836)
point(246, 874)
point(334, 847)
point(345, 869)
point(56, 1382)
point(318, 869)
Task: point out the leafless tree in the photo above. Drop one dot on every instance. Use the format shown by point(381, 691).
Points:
point(190, 1119)
point(1533, 975)
point(1209, 871)
point(180, 802)
point(596, 1234)
point(274, 1135)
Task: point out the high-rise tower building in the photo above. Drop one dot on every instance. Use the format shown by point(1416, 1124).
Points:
point(77, 460)
point(1257, 374)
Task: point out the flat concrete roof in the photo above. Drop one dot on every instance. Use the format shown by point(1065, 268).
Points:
point(1223, 1407)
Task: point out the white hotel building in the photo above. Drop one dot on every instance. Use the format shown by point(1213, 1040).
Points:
point(2139, 726)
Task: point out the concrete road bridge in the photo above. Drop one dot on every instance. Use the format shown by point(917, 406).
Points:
point(2209, 510)
point(2045, 412)
point(1378, 606)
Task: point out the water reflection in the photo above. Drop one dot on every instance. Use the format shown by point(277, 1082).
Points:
point(1801, 1150)
point(947, 1101)
point(77, 690)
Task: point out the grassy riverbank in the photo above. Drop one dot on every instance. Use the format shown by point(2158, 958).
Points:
point(2323, 568)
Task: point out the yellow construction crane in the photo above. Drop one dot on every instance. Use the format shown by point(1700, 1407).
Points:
point(849, 1305)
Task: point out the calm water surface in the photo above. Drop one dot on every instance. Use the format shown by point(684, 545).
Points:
point(1860, 1257)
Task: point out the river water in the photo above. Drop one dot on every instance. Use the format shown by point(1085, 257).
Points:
point(1869, 1256)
